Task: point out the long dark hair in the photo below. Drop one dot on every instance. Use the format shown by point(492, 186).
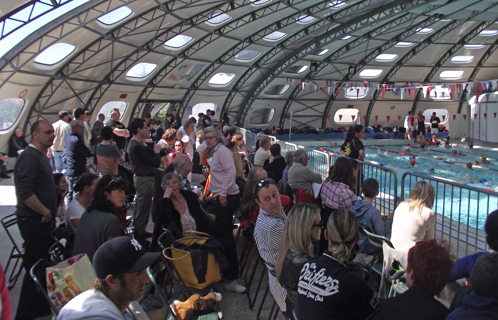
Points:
point(342, 171)
point(352, 131)
point(85, 180)
point(106, 183)
point(57, 179)
point(248, 205)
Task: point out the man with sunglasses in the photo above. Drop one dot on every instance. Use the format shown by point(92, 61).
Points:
point(268, 233)
point(143, 162)
point(226, 200)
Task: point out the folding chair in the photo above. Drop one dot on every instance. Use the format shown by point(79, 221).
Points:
point(16, 253)
point(66, 234)
point(377, 242)
point(38, 274)
point(58, 253)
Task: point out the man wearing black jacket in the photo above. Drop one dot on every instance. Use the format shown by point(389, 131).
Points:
point(143, 162)
point(276, 168)
point(75, 154)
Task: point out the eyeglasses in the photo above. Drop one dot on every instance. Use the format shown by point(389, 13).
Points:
point(263, 183)
point(115, 180)
point(319, 225)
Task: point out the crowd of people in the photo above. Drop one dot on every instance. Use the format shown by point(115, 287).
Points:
point(195, 177)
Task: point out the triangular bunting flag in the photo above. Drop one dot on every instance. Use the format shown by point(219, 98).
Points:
point(444, 117)
point(454, 117)
point(479, 85)
point(383, 91)
point(376, 118)
point(365, 118)
point(402, 90)
point(487, 97)
point(353, 117)
point(388, 117)
point(485, 115)
point(340, 117)
point(399, 118)
point(459, 95)
point(464, 117)
point(475, 116)
point(328, 117)
point(357, 93)
point(494, 114)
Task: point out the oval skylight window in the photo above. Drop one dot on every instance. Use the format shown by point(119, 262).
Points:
point(474, 45)
point(177, 42)
point(488, 33)
point(115, 16)
point(337, 4)
point(439, 93)
point(297, 69)
point(277, 90)
point(141, 70)
point(221, 79)
point(451, 74)
point(259, 2)
point(305, 19)
point(275, 35)
point(321, 52)
point(462, 59)
point(55, 53)
point(353, 93)
point(424, 30)
point(346, 37)
point(386, 57)
point(218, 18)
point(370, 73)
point(247, 55)
point(403, 44)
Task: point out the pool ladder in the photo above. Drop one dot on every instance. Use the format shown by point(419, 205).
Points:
point(454, 136)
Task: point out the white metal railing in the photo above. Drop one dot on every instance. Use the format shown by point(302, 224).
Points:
point(462, 211)
point(250, 139)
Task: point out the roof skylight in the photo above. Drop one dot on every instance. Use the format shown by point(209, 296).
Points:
point(275, 36)
point(353, 93)
point(370, 73)
point(297, 69)
point(462, 59)
point(247, 55)
point(474, 45)
point(305, 19)
point(277, 90)
point(221, 79)
point(424, 30)
point(259, 2)
point(115, 16)
point(337, 4)
point(451, 74)
point(439, 93)
point(488, 33)
point(346, 37)
point(386, 57)
point(322, 52)
point(54, 54)
point(403, 44)
point(141, 70)
point(178, 41)
point(218, 18)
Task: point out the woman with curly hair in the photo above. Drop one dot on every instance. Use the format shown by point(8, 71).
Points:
point(428, 271)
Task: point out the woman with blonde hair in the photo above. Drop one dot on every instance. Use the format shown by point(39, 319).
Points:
point(327, 287)
point(239, 142)
point(413, 221)
point(302, 228)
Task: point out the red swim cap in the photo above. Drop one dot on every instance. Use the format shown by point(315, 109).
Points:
point(469, 165)
point(412, 161)
point(454, 152)
point(407, 150)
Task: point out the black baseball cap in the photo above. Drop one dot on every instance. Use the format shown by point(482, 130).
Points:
point(121, 255)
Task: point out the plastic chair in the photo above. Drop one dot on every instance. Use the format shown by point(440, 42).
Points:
point(377, 241)
point(38, 274)
point(16, 254)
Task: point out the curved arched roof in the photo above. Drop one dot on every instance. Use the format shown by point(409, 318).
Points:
point(337, 40)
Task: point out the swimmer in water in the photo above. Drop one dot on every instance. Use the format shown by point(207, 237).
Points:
point(469, 178)
point(470, 145)
point(447, 142)
point(431, 170)
point(484, 159)
point(412, 162)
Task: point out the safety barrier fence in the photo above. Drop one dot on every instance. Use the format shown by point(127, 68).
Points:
point(318, 162)
point(461, 211)
point(249, 139)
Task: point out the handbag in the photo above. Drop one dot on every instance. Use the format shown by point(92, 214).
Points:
point(69, 278)
point(190, 262)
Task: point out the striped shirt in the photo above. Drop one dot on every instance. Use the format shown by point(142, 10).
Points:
point(268, 235)
point(336, 195)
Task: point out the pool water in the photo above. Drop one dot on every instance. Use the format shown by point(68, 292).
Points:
point(462, 206)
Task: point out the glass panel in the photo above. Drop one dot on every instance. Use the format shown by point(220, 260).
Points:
point(305, 19)
point(337, 4)
point(259, 2)
point(275, 35)
point(247, 55)
point(10, 109)
point(297, 69)
point(386, 57)
point(177, 42)
point(277, 90)
point(451, 74)
point(221, 79)
point(474, 45)
point(424, 30)
point(403, 44)
point(371, 73)
point(141, 70)
point(107, 108)
point(488, 33)
point(115, 15)
point(462, 59)
point(218, 18)
point(55, 53)
point(262, 116)
point(346, 37)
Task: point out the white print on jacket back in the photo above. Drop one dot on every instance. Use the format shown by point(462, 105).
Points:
point(315, 284)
